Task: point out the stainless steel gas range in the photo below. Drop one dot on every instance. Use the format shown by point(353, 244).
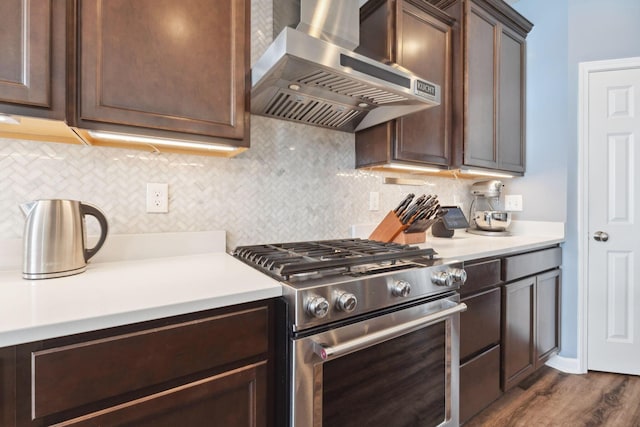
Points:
point(370, 332)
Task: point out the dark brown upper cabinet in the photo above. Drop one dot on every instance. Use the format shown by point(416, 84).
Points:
point(172, 69)
point(488, 84)
point(417, 36)
point(32, 58)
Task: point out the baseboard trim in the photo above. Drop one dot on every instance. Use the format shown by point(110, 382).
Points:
point(565, 364)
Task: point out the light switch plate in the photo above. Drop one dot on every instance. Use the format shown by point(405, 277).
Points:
point(374, 201)
point(513, 202)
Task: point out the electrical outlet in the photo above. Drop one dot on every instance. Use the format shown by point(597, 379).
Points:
point(374, 201)
point(513, 202)
point(157, 198)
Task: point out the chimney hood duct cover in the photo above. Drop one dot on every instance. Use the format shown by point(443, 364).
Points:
point(318, 82)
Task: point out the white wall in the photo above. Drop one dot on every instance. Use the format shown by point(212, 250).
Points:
point(574, 31)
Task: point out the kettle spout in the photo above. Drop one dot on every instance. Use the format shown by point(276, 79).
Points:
point(28, 207)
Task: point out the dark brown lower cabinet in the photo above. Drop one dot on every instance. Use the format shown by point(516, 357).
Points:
point(7, 386)
point(480, 323)
point(547, 316)
point(231, 399)
point(479, 382)
point(511, 326)
point(201, 369)
point(480, 337)
point(518, 338)
point(531, 325)
point(479, 352)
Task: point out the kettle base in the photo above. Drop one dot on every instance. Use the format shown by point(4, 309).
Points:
point(54, 274)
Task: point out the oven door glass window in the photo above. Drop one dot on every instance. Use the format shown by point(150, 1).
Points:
point(401, 382)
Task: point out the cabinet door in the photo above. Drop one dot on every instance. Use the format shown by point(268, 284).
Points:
point(8, 398)
point(72, 376)
point(547, 316)
point(164, 65)
point(511, 115)
point(417, 36)
point(424, 47)
point(481, 66)
point(518, 331)
point(232, 399)
point(32, 62)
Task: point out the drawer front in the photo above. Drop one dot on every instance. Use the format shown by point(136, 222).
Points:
point(481, 275)
point(224, 398)
point(74, 375)
point(479, 383)
point(480, 323)
point(517, 266)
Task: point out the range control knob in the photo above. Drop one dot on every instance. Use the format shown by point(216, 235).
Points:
point(346, 302)
point(442, 278)
point(458, 274)
point(317, 307)
point(401, 288)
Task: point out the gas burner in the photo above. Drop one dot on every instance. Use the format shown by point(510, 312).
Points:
point(298, 260)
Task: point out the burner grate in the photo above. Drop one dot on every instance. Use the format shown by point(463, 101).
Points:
point(286, 259)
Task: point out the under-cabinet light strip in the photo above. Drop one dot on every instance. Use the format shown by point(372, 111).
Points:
point(176, 143)
point(485, 173)
point(412, 168)
point(9, 120)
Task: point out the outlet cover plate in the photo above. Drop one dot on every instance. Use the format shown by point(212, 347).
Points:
point(157, 197)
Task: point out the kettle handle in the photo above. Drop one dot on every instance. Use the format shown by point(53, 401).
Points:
point(104, 227)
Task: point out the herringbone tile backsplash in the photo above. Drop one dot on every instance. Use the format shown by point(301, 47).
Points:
point(296, 182)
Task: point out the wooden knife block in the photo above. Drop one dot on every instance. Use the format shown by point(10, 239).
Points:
point(391, 229)
point(388, 228)
point(410, 238)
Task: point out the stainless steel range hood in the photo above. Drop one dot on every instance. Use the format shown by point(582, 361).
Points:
point(311, 74)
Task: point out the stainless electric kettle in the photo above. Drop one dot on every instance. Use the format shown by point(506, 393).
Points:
point(55, 238)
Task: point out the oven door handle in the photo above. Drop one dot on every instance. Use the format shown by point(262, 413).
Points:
point(328, 352)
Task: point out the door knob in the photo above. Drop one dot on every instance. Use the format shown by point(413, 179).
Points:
point(600, 236)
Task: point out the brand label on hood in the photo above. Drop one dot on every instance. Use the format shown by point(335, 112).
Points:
point(425, 89)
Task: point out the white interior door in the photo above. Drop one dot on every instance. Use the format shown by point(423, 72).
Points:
point(613, 215)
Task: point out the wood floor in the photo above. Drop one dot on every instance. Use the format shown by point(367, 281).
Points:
point(553, 398)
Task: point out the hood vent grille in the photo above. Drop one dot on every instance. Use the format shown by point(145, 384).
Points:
point(308, 80)
point(292, 106)
point(352, 88)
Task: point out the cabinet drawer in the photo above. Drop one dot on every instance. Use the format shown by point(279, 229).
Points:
point(480, 323)
point(479, 383)
point(73, 375)
point(481, 275)
point(517, 266)
point(224, 398)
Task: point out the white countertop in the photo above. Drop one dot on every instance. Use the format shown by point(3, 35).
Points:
point(114, 292)
point(465, 246)
point(117, 293)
